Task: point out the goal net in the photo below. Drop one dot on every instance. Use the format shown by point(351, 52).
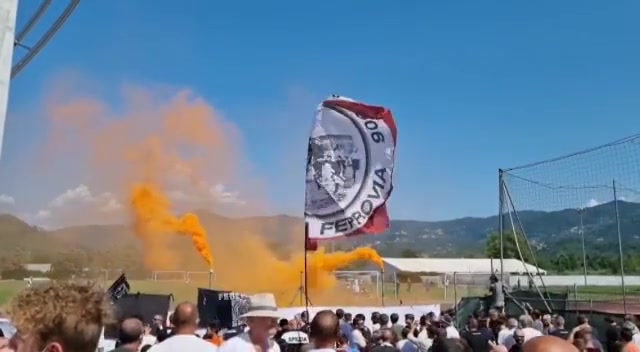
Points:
point(360, 282)
point(170, 276)
point(200, 277)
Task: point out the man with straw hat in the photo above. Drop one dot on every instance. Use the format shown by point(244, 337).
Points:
point(262, 319)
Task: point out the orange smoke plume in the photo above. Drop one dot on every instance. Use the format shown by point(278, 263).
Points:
point(165, 150)
point(153, 217)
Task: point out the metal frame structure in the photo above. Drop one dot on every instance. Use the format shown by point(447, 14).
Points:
point(179, 272)
point(33, 51)
point(509, 219)
point(376, 274)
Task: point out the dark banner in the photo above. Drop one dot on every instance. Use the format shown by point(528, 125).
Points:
point(141, 305)
point(119, 288)
point(223, 308)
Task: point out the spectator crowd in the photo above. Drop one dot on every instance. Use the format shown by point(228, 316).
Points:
point(70, 317)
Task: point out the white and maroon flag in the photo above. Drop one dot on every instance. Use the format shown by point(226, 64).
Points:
point(350, 165)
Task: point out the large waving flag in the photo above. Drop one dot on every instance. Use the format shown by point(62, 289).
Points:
point(350, 164)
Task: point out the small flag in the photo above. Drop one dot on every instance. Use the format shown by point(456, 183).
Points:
point(119, 288)
point(349, 176)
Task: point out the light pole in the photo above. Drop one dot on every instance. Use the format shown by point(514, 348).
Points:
point(584, 251)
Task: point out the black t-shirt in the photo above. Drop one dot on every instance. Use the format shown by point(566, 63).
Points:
point(477, 340)
point(612, 335)
point(516, 348)
point(561, 333)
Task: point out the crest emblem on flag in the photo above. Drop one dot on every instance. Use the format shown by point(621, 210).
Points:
point(239, 306)
point(350, 163)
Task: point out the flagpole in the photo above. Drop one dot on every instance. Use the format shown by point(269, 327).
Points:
point(306, 276)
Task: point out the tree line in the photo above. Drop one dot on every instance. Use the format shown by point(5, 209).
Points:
point(72, 264)
point(566, 258)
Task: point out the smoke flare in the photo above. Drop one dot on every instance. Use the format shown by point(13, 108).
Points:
point(153, 217)
point(165, 152)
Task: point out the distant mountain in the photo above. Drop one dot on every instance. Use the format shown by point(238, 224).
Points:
point(554, 232)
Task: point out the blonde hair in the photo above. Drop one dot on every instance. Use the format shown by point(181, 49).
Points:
point(71, 314)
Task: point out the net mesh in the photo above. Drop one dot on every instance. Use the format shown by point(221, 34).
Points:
point(577, 192)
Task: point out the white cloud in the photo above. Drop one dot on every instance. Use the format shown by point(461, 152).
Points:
point(222, 195)
point(592, 203)
point(43, 214)
point(82, 195)
point(5, 199)
point(81, 205)
point(213, 195)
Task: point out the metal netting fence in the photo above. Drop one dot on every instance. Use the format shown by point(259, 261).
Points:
point(579, 213)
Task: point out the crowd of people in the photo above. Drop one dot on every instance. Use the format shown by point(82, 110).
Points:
point(70, 317)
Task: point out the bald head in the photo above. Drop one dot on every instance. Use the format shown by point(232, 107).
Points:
point(185, 315)
point(548, 344)
point(499, 348)
point(131, 331)
point(325, 327)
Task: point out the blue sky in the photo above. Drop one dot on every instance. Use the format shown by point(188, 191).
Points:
point(474, 85)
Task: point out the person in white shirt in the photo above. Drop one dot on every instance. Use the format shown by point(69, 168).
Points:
point(357, 339)
point(452, 332)
point(507, 331)
point(185, 322)
point(422, 342)
point(375, 321)
point(526, 325)
point(147, 338)
point(404, 344)
point(262, 319)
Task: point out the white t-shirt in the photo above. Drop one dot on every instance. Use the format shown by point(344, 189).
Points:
point(242, 343)
point(189, 343)
point(149, 340)
point(504, 334)
point(529, 333)
point(452, 332)
point(357, 340)
point(422, 342)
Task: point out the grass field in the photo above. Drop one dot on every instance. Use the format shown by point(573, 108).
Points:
point(183, 291)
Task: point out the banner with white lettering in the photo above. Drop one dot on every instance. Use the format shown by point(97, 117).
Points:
point(221, 307)
point(119, 288)
point(350, 162)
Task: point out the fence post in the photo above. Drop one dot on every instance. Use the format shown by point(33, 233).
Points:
point(455, 289)
point(575, 297)
point(444, 285)
point(395, 284)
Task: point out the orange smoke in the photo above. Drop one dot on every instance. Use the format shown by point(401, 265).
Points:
point(169, 152)
point(153, 217)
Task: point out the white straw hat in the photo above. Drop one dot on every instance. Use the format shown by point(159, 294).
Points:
point(262, 305)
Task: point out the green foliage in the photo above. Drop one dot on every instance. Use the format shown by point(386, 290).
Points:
point(409, 253)
point(565, 260)
point(514, 246)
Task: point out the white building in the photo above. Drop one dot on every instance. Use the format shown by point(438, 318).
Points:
point(456, 265)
